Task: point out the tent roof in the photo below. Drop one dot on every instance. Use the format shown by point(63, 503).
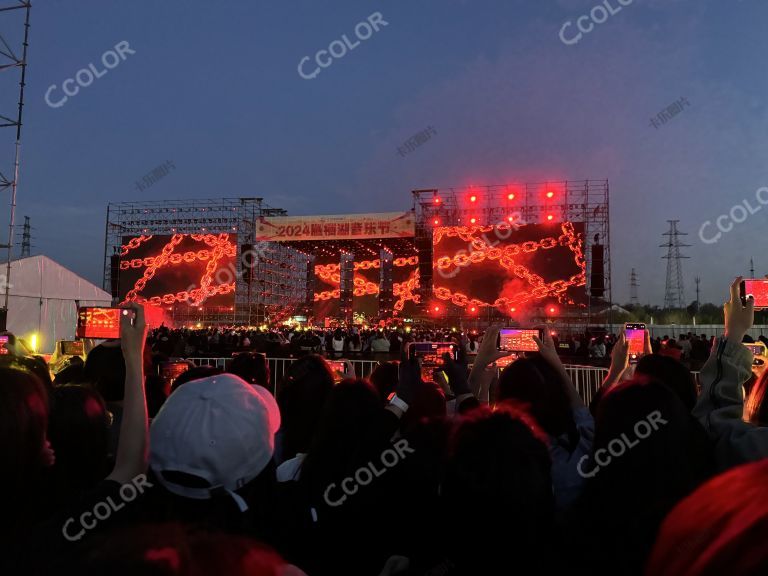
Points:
point(40, 276)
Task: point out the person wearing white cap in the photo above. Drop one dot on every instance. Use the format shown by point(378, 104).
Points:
point(212, 435)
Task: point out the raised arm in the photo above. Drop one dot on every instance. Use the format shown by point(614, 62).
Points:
point(619, 361)
point(721, 403)
point(132, 449)
point(480, 378)
point(549, 353)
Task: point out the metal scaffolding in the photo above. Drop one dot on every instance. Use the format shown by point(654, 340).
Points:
point(276, 281)
point(578, 201)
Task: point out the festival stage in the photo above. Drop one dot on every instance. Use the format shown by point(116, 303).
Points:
point(514, 252)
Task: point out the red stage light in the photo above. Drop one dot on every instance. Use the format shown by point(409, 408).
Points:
point(437, 200)
point(437, 308)
point(551, 309)
point(550, 217)
point(473, 309)
point(550, 194)
point(473, 198)
point(437, 221)
point(512, 309)
point(473, 220)
point(510, 197)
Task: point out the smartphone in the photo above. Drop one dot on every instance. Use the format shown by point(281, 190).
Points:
point(519, 339)
point(635, 334)
point(4, 345)
point(758, 350)
point(338, 367)
point(104, 323)
point(431, 353)
point(758, 289)
point(169, 371)
point(72, 347)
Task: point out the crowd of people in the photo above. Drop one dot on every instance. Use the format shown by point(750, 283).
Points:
point(109, 469)
point(691, 349)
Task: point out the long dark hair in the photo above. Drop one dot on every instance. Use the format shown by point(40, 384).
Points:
point(347, 435)
point(504, 456)
point(662, 458)
point(23, 430)
point(532, 382)
point(756, 405)
point(79, 433)
point(301, 397)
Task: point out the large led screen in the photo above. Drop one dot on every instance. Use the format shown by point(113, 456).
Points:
point(509, 267)
point(190, 269)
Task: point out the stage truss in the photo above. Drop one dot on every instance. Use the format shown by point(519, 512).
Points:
point(578, 201)
point(277, 275)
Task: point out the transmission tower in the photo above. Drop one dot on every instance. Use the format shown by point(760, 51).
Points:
point(26, 239)
point(633, 299)
point(673, 293)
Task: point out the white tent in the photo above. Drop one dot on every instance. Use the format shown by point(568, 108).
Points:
point(44, 297)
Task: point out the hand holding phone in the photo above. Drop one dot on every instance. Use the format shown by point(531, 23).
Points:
point(757, 289)
point(133, 332)
point(98, 322)
point(739, 314)
point(520, 339)
point(634, 333)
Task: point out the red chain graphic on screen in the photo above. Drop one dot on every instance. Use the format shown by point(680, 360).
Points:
point(134, 243)
point(481, 251)
point(221, 247)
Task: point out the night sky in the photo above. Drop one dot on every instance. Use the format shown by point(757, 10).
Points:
point(214, 88)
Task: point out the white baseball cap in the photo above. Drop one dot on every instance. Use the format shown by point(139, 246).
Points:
point(220, 429)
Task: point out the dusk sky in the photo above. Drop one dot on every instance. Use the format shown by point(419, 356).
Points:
point(214, 88)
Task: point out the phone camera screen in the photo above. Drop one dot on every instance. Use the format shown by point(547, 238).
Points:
point(758, 289)
point(517, 340)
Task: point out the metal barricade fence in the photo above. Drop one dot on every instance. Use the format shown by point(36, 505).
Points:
point(586, 379)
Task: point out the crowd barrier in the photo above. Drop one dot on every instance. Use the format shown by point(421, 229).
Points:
point(586, 379)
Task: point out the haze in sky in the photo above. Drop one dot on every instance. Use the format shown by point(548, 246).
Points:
point(512, 92)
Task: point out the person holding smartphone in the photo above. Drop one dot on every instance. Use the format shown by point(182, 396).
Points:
point(720, 406)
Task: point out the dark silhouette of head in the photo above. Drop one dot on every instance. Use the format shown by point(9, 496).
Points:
point(105, 370)
point(428, 403)
point(384, 379)
point(251, 367)
point(719, 529)
point(78, 428)
point(648, 454)
point(301, 397)
point(23, 433)
point(347, 432)
point(503, 455)
point(174, 550)
point(532, 382)
point(672, 373)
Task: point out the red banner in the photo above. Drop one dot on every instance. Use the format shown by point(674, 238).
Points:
point(337, 227)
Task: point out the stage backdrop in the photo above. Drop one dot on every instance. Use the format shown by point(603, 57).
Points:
point(337, 227)
point(510, 267)
point(188, 269)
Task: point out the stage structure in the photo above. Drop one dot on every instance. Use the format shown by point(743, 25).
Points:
point(531, 252)
point(362, 267)
point(14, 41)
point(198, 262)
